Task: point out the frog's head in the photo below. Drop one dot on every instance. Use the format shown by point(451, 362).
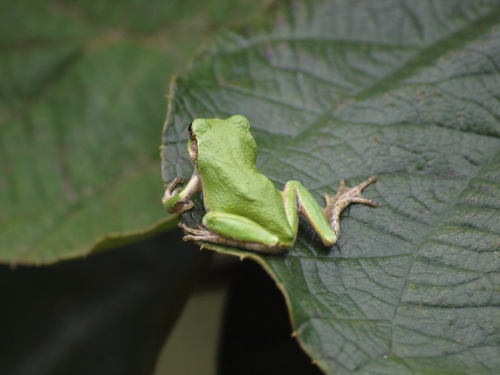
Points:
point(211, 136)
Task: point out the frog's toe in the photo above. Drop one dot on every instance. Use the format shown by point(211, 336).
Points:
point(197, 232)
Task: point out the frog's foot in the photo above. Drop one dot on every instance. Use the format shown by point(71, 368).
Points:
point(202, 234)
point(196, 232)
point(171, 189)
point(336, 204)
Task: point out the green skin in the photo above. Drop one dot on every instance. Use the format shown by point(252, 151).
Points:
point(244, 208)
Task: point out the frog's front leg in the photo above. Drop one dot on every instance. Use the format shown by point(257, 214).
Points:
point(176, 200)
point(325, 221)
point(234, 230)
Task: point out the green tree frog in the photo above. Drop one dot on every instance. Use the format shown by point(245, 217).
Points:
point(244, 208)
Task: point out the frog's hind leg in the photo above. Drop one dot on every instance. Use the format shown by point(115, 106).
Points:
point(233, 230)
point(325, 221)
point(298, 200)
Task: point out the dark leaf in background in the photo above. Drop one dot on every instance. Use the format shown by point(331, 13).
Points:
point(107, 314)
point(256, 335)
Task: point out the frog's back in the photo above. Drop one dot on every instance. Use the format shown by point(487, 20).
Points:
point(251, 195)
point(231, 183)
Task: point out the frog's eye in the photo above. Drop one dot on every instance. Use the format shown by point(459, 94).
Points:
point(192, 136)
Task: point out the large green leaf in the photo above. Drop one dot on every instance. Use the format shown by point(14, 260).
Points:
point(82, 101)
point(409, 91)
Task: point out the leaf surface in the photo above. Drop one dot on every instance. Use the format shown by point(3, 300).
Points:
point(408, 91)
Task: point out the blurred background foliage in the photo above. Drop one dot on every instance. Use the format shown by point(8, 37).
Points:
point(82, 103)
